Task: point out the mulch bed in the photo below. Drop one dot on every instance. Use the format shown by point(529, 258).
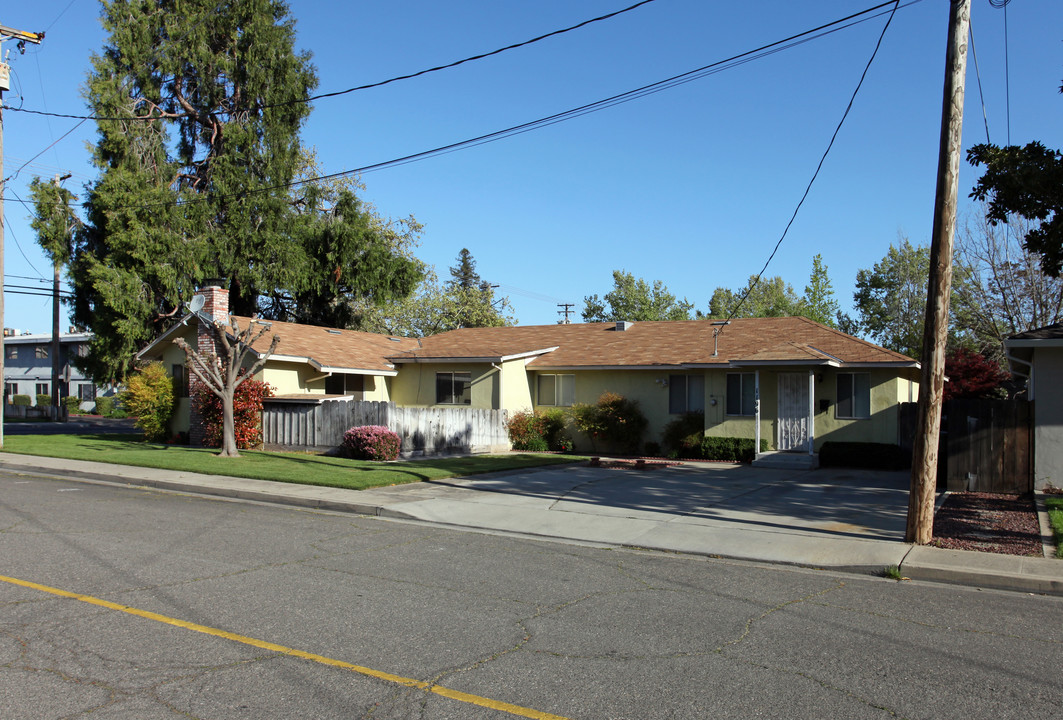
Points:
point(988, 522)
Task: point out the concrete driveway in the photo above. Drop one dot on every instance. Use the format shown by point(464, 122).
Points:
point(830, 517)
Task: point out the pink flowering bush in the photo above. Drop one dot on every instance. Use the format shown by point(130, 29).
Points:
point(370, 442)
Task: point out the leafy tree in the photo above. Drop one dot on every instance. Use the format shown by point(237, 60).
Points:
point(818, 302)
point(1026, 181)
point(438, 307)
point(771, 297)
point(890, 298)
point(972, 375)
point(1003, 290)
point(247, 413)
point(149, 398)
point(204, 187)
point(224, 370)
point(54, 220)
point(632, 299)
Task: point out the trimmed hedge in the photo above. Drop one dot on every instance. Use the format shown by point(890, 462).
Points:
point(73, 404)
point(869, 456)
point(23, 400)
point(44, 400)
point(104, 405)
point(729, 449)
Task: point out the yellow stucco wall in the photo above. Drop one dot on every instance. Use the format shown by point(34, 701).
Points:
point(415, 385)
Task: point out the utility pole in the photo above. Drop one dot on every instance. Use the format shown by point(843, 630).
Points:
point(21, 37)
point(939, 286)
point(565, 310)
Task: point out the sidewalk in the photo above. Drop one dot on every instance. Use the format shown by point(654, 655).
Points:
point(838, 520)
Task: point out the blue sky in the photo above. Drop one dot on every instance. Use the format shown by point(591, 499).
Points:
point(692, 186)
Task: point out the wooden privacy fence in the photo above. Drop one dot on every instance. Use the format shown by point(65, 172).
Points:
point(319, 426)
point(985, 445)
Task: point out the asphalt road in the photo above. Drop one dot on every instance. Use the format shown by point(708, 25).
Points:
point(182, 606)
point(78, 424)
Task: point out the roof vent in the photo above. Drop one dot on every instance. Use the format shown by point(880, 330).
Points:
point(333, 332)
point(622, 325)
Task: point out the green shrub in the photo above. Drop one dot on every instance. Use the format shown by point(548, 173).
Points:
point(539, 432)
point(149, 399)
point(870, 456)
point(683, 434)
point(653, 449)
point(104, 406)
point(73, 404)
point(23, 400)
point(552, 428)
point(44, 400)
point(729, 449)
point(614, 420)
point(524, 430)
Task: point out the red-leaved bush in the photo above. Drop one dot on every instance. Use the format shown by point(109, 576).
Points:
point(247, 413)
point(370, 442)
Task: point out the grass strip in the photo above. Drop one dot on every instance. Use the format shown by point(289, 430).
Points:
point(300, 468)
point(1054, 506)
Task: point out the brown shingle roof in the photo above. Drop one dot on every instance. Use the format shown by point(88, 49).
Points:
point(648, 344)
point(330, 348)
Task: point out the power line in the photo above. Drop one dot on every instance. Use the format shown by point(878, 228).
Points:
point(819, 167)
point(650, 89)
point(368, 86)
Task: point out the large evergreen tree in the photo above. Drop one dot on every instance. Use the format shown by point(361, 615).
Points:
point(201, 105)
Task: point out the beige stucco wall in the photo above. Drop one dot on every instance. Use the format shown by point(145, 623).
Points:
point(1048, 417)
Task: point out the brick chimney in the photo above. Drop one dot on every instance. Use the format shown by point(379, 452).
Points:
point(216, 308)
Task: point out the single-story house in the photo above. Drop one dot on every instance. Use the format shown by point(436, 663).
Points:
point(1036, 356)
point(791, 381)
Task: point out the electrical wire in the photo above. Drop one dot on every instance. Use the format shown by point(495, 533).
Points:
point(978, 75)
point(14, 175)
point(819, 167)
point(645, 90)
point(368, 86)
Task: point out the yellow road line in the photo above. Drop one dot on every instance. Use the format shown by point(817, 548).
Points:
point(379, 675)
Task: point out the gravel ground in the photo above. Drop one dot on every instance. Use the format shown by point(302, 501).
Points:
point(988, 522)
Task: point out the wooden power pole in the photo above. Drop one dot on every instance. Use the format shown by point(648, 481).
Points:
point(21, 37)
point(939, 286)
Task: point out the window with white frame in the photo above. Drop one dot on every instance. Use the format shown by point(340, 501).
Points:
point(557, 390)
point(854, 396)
point(86, 392)
point(40, 352)
point(454, 388)
point(10, 389)
point(741, 394)
point(686, 393)
point(42, 389)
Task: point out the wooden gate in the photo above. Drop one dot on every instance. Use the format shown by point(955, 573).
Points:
point(985, 445)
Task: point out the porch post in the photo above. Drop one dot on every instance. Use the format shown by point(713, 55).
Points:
point(811, 410)
point(756, 408)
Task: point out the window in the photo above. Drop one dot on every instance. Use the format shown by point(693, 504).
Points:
point(686, 393)
point(86, 392)
point(454, 388)
point(559, 390)
point(10, 389)
point(40, 352)
point(854, 395)
point(42, 388)
point(741, 394)
point(12, 352)
point(180, 380)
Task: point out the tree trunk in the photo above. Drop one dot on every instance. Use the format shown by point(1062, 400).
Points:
point(228, 427)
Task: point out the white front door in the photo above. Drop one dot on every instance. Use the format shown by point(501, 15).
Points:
point(793, 412)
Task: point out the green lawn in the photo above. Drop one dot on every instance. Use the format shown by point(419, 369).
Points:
point(299, 468)
point(1054, 505)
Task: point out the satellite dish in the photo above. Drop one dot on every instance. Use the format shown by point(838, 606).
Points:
point(196, 304)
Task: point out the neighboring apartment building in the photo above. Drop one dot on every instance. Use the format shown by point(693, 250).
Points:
point(28, 366)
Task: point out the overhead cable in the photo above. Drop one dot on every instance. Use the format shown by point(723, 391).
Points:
point(819, 167)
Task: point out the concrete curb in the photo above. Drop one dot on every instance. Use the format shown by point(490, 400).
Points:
point(719, 539)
